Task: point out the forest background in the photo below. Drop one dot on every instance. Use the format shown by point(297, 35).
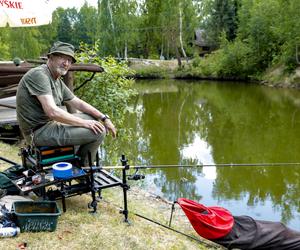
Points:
point(248, 37)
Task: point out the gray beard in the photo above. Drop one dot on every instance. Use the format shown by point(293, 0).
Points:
point(61, 71)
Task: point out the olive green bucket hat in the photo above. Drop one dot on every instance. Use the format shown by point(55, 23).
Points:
point(63, 48)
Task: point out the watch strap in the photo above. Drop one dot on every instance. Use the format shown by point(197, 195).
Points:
point(105, 117)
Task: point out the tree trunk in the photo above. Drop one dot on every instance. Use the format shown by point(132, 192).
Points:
point(113, 28)
point(125, 51)
point(297, 58)
point(178, 57)
point(161, 57)
point(180, 33)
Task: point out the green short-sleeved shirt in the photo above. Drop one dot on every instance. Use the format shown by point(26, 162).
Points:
point(38, 81)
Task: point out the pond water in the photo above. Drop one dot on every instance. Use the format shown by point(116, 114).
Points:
point(205, 122)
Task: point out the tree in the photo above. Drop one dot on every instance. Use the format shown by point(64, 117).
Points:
point(106, 29)
point(152, 27)
point(4, 45)
point(85, 26)
point(126, 26)
point(24, 43)
point(65, 30)
point(287, 30)
point(169, 25)
point(49, 33)
point(220, 15)
point(261, 30)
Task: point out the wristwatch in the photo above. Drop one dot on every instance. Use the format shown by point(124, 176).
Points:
point(104, 118)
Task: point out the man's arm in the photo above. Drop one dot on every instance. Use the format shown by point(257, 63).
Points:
point(85, 107)
point(58, 114)
point(89, 109)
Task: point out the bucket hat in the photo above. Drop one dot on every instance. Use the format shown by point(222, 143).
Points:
point(63, 48)
point(208, 222)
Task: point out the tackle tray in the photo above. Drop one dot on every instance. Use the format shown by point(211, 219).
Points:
point(36, 216)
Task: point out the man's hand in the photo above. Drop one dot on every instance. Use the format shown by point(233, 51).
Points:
point(96, 126)
point(110, 127)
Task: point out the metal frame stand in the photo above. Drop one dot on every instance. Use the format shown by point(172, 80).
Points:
point(125, 187)
point(91, 180)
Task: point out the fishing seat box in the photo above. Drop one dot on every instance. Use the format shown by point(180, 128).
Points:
point(39, 157)
point(49, 155)
point(36, 216)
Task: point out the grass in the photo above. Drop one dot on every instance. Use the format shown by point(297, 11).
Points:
point(78, 229)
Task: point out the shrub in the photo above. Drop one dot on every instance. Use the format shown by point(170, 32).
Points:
point(109, 91)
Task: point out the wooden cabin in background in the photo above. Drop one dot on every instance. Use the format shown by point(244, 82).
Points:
point(201, 43)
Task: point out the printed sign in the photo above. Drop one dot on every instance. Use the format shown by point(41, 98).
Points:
point(24, 13)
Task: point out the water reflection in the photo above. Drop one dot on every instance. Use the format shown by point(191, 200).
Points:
point(191, 123)
point(199, 150)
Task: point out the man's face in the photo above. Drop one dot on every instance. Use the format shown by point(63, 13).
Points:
point(61, 63)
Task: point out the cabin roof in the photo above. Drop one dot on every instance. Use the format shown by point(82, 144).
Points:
point(200, 38)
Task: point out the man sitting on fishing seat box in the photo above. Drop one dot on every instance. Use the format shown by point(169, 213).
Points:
point(40, 95)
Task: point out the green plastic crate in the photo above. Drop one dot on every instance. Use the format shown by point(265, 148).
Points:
point(36, 216)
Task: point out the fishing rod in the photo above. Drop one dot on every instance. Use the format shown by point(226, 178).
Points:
point(199, 240)
point(200, 165)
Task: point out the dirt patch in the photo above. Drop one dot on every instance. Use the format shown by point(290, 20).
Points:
point(277, 77)
point(146, 63)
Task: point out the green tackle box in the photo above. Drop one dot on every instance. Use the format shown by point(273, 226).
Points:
point(36, 216)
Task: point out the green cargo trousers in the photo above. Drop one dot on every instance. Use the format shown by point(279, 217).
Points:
point(58, 134)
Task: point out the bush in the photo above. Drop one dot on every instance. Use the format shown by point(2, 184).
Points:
point(235, 59)
point(196, 61)
point(231, 60)
point(288, 56)
point(109, 91)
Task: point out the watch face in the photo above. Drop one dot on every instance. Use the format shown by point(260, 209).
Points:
point(105, 117)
